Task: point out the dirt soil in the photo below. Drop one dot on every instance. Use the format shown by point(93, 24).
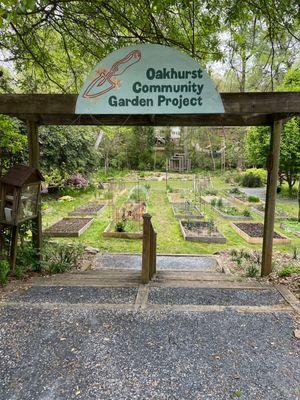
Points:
point(199, 228)
point(89, 209)
point(280, 260)
point(255, 229)
point(68, 226)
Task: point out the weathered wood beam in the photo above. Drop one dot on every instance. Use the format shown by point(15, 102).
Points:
point(234, 103)
point(33, 144)
point(34, 161)
point(273, 166)
point(160, 120)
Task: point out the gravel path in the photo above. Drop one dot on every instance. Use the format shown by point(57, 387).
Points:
point(203, 263)
point(111, 355)
point(75, 294)
point(222, 297)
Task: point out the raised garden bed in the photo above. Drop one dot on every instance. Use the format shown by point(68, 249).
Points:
point(186, 210)
point(93, 208)
point(201, 231)
point(240, 197)
point(69, 227)
point(253, 232)
point(291, 225)
point(132, 230)
point(209, 199)
point(228, 211)
point(260, 210)
point(175, 198)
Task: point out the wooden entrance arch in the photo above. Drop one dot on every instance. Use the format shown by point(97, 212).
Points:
point(241, 109)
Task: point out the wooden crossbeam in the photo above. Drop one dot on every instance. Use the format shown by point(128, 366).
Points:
point(240, 109)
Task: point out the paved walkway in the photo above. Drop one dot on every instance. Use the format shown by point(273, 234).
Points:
point(187, 335)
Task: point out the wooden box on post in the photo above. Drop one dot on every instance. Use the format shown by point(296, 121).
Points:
point(19, 200)
point(20, 195)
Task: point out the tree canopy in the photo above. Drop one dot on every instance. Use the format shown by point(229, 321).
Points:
point(52, 44)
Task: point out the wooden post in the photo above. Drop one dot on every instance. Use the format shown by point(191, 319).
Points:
point(34, 161)
point(146, 248)
point(154, 254)
point(13, 249)
point(272, 166)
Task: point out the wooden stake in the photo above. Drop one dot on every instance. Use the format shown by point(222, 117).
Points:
point(146, 249)
point(273, 166)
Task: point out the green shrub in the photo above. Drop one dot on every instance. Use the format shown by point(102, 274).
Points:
point(213, 202)
point(211, 192)
point(231, 210)
point(211, 226)
point(233, 253)
point(251, 180)
point(4, 271)
point(220, 203)
point(253, 199)
point(288, 270)
point(60, 257)
point(230, 176)
point(254, 177)
point(252, 270)
point(120, 226)
point(246, 213)
point(234, 190)
point(147, 186)
point(245, 254)
point(26, 260)
point(262, 173)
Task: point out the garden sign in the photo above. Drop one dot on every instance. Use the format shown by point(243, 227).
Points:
point(148, 79)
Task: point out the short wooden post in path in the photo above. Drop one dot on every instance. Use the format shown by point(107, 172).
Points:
point(146, 256)
point(273, 166)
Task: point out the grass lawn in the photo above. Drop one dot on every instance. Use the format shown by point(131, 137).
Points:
point(169, 237)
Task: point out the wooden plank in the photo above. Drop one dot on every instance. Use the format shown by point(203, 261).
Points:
point(289, 297)
point(217, 308)
point(146, 248)
point(273, 166)
point(160, 120)
point(241, 103)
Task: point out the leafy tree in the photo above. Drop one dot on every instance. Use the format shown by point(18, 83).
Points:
point(140, 147)
point(53, 43)
point(112, 149)
point(13, 142)
point(67, 150)
point(257, 147)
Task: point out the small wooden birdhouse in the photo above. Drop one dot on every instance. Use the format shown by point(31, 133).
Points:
point(19, 195)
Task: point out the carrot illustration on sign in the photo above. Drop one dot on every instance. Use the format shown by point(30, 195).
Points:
point(106, 80)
